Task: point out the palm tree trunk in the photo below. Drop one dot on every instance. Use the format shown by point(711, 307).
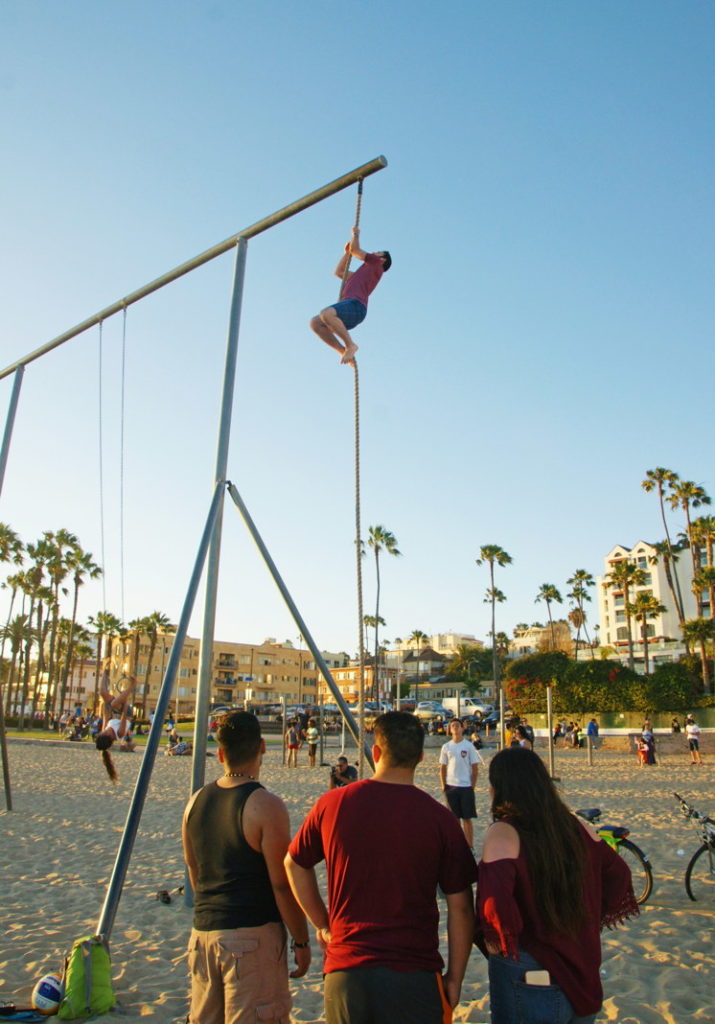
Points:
point(679, 607)
point(70, 645)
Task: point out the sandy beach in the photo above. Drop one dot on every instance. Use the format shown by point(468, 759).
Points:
point(59, 843)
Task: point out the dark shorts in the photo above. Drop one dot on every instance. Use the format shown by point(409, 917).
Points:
point(351, 311)
point(378, 995)
point(461, 801)
point(693, 744)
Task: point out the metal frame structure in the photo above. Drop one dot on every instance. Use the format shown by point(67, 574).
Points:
point(210, 545)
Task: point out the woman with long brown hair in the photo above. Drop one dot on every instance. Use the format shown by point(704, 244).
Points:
point(115, 725)
point(547, 885)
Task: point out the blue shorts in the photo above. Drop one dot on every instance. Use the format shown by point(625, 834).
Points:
point(351, 311)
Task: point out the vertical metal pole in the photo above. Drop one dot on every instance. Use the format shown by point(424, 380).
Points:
point(10, 421)
point(203, 694)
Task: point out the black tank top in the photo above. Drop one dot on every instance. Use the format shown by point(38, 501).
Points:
point(233, 888)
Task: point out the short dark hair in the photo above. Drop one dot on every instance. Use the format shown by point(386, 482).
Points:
point(401, 737)
point(239, 736)
point(386, 260)
point(343, 758)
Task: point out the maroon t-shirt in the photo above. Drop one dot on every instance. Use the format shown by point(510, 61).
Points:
point(387, 847)
point(365, 279)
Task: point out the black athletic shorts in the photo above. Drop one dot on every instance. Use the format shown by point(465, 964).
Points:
point(461, 801)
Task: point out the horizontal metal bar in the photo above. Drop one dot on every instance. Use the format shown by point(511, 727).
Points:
point(217, 250)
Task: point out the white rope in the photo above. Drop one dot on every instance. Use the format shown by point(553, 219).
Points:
point(101, 474)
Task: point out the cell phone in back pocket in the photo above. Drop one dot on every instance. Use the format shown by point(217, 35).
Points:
point(537, 978)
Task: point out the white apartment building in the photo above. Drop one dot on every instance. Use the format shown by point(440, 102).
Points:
point(447, 643)
point(664, 637)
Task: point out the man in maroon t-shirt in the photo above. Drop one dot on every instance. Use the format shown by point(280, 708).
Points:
point(387, 846)
point(333, 322)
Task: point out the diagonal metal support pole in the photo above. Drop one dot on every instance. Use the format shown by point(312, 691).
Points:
point(299, 621)
point(116, 882)
point(10, 422)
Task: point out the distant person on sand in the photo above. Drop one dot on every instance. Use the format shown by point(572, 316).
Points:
point(692, 731)
point(547, 886)
point(235, 835)
point(292, 743)
point(381, 934)
point(459, 762)
point(114, 718)
point(333, 323)
point(311, 737)
point(342, 773)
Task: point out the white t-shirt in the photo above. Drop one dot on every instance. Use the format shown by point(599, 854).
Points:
point(459, 758)
point(692, 730)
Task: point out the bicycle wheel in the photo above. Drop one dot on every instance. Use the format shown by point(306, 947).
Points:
point(700, 875)
point(641, 871)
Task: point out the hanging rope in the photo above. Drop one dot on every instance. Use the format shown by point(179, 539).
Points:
point(121, 462)
point(358, 550)
point(358, 536)
point(101, 472)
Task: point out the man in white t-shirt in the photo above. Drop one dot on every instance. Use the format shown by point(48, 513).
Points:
point(458, 771)
point(692, 731)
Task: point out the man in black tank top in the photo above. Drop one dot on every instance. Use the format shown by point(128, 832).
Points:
point(235, 836)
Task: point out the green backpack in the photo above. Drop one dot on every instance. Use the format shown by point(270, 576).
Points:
point(88, 980)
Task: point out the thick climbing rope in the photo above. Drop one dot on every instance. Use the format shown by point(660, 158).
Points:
point(101, 474)
point(358, 537)
point(121, 462)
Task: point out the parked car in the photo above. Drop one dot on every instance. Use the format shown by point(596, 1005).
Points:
point(491, 720)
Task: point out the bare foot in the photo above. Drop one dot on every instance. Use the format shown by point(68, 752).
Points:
point(348, 355)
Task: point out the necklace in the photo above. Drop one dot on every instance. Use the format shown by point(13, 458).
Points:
point(239, 775)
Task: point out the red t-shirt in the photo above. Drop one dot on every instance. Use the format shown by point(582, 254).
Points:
point(387, 847)
point(507, 915)
point(365, 279)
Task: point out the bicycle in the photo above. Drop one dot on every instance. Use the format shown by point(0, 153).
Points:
point(700, 872)
point(637, 861)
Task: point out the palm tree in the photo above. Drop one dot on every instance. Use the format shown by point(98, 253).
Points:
point(701, 631)
point(154, 624)
point(703, 531)
point(60, 544)
point(82, 651)
point(491, 554)
point(369, 623)
point(380, 539)
point(623, 576)
point(548, 593)
point(81, 567)
point(17, 632)
point(667, 554)
point(645, 606)
point(105, 624)
point(417, 637)
point(705, 580)
point(686, 494)
point(579, 582)
point(658, 479)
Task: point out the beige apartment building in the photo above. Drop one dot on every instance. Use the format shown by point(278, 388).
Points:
point(259, 673)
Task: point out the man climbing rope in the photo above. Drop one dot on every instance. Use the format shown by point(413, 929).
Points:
point(333, 323)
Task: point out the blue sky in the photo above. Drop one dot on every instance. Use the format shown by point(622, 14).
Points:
point(542, 339)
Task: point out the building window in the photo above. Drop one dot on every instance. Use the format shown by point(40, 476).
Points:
point(621, 633)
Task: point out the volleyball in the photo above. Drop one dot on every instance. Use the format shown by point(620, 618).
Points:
point(47, 994)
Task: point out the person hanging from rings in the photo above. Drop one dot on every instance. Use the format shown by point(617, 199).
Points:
point(334, 322)
point(115, 724)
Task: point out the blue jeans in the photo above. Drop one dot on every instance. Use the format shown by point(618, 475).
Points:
point(512, 1001)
